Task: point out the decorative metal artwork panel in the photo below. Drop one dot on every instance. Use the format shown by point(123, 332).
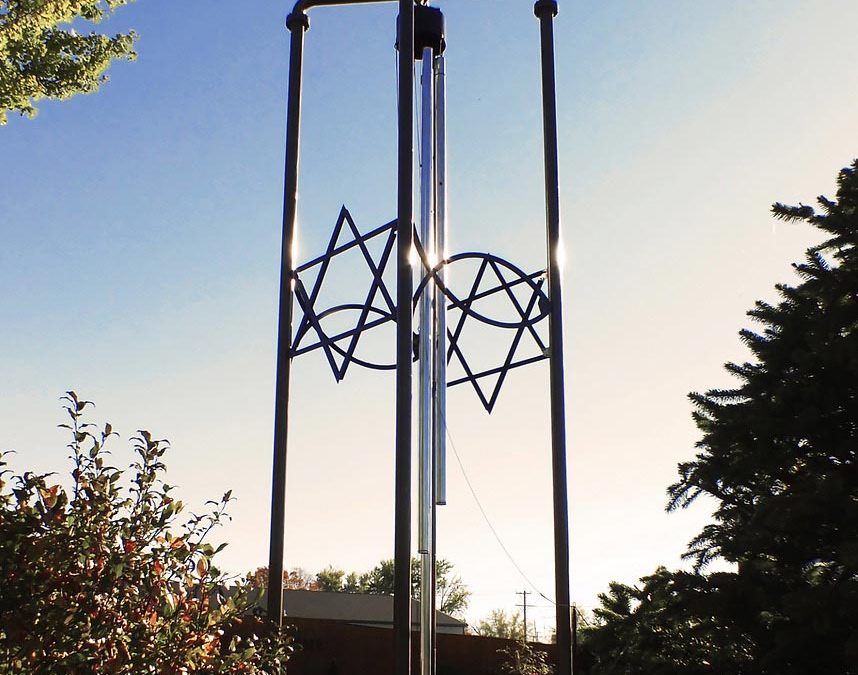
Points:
point(378, 306)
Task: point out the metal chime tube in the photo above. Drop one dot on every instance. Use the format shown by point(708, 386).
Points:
point(426, 344)
point(440, 409)
point(427, 240)
point(439, 325)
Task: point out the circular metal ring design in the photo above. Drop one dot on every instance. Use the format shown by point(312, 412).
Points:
point(465, 305)
point(332, 342)
point(486, 260)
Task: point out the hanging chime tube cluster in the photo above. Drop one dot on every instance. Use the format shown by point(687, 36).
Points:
point(431, 343)
point(425, 539)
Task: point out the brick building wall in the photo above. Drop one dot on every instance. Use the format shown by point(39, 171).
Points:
point(336, 648)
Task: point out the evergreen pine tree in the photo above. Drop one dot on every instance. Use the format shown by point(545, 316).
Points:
point(778, 453)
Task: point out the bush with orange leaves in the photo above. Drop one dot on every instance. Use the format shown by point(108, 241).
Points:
point(107, 577)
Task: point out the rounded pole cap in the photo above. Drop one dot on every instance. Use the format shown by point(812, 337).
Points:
point(542, 7)
point(297, 20)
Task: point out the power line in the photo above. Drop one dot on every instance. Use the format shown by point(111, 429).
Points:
point(486, 517)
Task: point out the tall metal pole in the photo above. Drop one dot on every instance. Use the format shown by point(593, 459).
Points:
point(404, 291)
point(545, 11)
point(297, 23)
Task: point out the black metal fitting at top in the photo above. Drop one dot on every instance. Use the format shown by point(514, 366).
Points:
point(297, 20)
point(428, 31)
point(543, 6)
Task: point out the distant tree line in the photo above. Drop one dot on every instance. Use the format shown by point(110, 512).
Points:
point(451, 592)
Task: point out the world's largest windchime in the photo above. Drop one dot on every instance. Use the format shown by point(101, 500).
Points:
point(422, 292)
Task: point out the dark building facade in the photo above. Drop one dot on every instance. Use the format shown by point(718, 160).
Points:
point(339, 648)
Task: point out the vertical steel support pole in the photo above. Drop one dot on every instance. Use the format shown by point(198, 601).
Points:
point(404, 291)
point(440, 384)
point(426, 475)
point(545, 11)
point(297, 23)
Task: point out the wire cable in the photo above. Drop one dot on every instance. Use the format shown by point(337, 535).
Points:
point(486, 517)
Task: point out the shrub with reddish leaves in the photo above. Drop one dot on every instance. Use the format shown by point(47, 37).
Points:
point(108, 577)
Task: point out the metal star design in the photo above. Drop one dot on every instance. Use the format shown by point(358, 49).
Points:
point(311, 321)
point(529, 314)
point(340, 348)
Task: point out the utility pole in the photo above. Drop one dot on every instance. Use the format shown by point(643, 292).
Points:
point(523, 605)
point(574, 639)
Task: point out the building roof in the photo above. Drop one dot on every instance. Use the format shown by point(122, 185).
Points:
point(355, 608)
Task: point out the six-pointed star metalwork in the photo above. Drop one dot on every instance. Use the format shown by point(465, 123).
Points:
point(534, 310)
point(312, 318)
point(506, 275)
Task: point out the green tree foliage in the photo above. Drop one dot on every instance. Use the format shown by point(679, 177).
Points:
point(673, 623)
point(522, 659)
point(499, 624)
point(331, 579)
point(451, 593)
point(107, 577)
point(42, 55)
point(778, 454)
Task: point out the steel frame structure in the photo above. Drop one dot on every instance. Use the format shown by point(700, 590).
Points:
point(401, 232)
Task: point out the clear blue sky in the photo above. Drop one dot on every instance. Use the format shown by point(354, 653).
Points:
point(139, 244)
